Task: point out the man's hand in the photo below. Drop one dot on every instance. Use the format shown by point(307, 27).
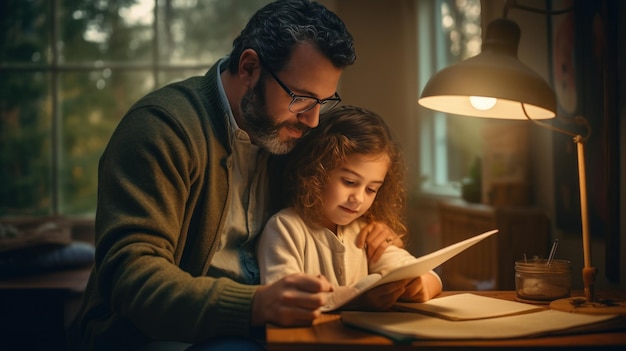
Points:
point(376, 237)
point(292, 301)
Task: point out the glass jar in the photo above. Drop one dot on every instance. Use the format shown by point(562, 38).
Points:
point(539, 282)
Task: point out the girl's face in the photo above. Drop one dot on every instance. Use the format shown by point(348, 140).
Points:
point(352, 188)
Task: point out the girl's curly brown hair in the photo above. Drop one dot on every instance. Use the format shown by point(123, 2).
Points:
point(343, 132)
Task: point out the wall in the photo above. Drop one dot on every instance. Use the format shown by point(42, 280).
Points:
point(622, 148)
point(384, 79)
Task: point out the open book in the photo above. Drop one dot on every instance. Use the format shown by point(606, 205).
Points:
point(343, 294)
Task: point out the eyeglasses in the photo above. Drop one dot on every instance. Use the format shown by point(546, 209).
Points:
point(303, 103)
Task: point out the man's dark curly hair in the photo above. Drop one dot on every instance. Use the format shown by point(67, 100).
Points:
point(277, 28)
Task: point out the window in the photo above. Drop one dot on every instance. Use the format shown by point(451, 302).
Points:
point(69, 71)
point(449, 31)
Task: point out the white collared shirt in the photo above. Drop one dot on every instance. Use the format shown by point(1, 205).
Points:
point(249, 206)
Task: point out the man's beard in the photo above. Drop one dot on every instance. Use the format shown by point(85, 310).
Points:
point(260, 125)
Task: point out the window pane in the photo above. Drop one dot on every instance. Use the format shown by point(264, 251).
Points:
point(201, 31)
point(25, 29)
point(92, 104)
point(107, 57)
point(109, 31)
point(465, 144)
point(449, 32)
point(25, 140)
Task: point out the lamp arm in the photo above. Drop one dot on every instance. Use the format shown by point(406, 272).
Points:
point(582, 179)
point(589, 272)
point(578, 120)
point(512, 4)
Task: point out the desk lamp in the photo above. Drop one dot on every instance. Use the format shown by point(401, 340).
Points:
point(496, 84)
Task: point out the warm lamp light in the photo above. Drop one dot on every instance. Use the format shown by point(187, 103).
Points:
point(482, 103)
point(495, 73)
point(496, 84)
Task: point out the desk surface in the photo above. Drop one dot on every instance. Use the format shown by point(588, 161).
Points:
point(328, 333)
point(70, 280)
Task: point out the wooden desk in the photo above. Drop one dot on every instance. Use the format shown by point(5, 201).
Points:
point(70, 281)
point(328, 333)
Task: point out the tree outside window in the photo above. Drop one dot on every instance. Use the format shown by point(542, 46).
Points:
point(70, 69)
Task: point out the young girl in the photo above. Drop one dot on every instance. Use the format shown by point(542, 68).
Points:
point(345, 173)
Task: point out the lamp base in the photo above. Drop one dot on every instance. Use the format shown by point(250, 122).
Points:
point(580, 305)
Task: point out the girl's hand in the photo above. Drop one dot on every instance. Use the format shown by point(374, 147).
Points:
point(376, 237)
point(381, 298)
point(421, 289)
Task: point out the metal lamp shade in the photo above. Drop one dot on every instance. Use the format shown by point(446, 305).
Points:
point(496, 72)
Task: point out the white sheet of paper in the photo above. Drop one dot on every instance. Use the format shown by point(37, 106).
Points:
point(420, 266)
point(467, 306)
point(426, 263)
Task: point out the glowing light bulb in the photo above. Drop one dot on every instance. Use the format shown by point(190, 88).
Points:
point(482, 103)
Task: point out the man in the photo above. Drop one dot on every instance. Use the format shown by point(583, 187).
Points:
point(183, 191)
